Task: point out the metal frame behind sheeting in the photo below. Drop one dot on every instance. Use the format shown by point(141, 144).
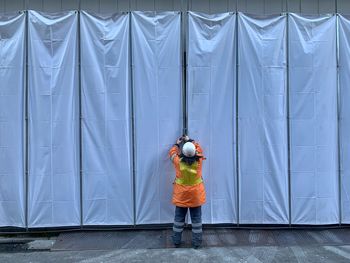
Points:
point(26, 141)
point(339, 122)
point(288, 123)
point(237, 122)
point(183, 59)
point(183, 47)
point(80, 126)
point(132, 115)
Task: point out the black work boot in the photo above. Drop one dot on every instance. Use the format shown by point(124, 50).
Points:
point(176, 238)
point(196, 240)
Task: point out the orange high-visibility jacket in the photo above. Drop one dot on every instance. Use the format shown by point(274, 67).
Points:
point(188, 190)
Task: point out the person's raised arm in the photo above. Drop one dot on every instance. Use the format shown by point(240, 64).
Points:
point(199, 150)
point(175, 150)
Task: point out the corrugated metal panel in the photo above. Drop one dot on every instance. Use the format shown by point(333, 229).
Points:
point(200, 6)
point(344, 6)
point(208, 6)
point(180, 5)
point(11, 5)
point(90, 5)
point(108, 6)
point(123, 5)
point(274, 7)
point(148, 5)
point(309, 7)
point(232, 5)
point(52, 5)
point(218, 6)
point(293, 6)
point(326, 6)
point(164, 5)
point(255, 6)
point(34, 4)
point(70, 4)
point(242, 5)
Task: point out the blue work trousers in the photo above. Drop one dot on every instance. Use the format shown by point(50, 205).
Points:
point(179, 223)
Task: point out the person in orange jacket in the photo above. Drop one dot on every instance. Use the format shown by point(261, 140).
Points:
point(188, 191)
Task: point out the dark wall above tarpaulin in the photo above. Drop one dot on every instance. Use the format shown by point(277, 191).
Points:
point(207, 6)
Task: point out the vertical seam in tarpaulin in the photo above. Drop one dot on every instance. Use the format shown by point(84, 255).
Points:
point(183, 70)
point(26, 130)
point(314, 110)
point(343, 114)
point(263, 119)
point(290, 123)
point(129, 120)
point(186, 74)
point(238, 15)
point(51, 122)
point(234, 117)
point(75, 116)
point(80, 123)
point(337, 132)
point(288, 120)
point(338, 122)
point(286, 116)
point(105, 174)
point(155, 56)
point(210, 130)
point(132, 115)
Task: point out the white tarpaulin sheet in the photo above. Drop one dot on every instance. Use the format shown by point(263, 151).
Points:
point(262, 111)
point(344, 123)
point(156, 62)
point(53, 120)
point(211, 109)
point(157, 105)
point(313, 126)
point(107, 173)
point(12, 29)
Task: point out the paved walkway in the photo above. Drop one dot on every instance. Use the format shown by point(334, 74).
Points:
point(293, 254)
point(220, 245)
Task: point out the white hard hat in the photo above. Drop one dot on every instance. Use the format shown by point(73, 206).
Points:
point(189, 150)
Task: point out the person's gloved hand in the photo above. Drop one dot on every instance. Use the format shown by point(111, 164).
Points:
point(179, 140)
point(182, 139)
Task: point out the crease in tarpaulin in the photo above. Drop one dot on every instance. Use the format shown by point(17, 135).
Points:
point(206, 111)
point(313, 154)
point(107, 184)
point(12, 166)
point(53, 198)
point(263, 175)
